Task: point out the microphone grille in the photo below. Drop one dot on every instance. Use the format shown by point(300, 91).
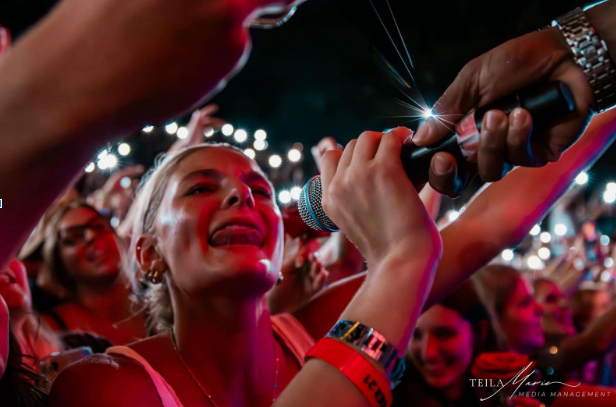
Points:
point(310, 208)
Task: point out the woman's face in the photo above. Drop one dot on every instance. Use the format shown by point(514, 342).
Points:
point(218, 227)
point(521, 320)
point(89, 249)
point(556, 313)
point(14, 287)
point(442, 347)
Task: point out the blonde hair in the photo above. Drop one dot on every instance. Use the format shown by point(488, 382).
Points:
point(149, 198)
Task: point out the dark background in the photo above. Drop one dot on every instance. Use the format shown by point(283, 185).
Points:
point(317, 76)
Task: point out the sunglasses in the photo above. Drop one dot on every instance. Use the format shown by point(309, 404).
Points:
point(269, 21)
point(76, 235)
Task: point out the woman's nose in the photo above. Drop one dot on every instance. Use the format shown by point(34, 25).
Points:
point(239, 195)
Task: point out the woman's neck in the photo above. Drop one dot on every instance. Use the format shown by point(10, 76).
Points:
point(106, 301)
point(229, 345)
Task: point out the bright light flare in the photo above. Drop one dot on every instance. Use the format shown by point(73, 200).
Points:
point(209, 132)
point(609, 197)
point(560, 229)
point(452, 215)
point(535, 230)
point(227, 130)
point(171, 128)
point(295, 193)
point(545, 237)
point(284, 196)
point(608, 262)
point(507, 254)
point(605, 239)
point(544, 253)
point(124, 149)
point(611, 187)
point(250, 153)
point(294, 155)
point(427, 114)
point(147, 129)
point(534, 263)
point(582, 178)
point(260, 135)
point(240, 136)
point(182, 133)
point(90, 167)
point(260, 145)
point(275, 161)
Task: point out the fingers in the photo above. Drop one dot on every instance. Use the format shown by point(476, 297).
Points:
point(326, 144)
point(367, 146)
point(208, 110)
point(492, 145)
point(329, 166)
point(347, 154)
point(391, 143)
point(443, 173)
point(518, 139)
point(505, 69)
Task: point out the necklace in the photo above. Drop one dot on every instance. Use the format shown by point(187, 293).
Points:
point(205, 393)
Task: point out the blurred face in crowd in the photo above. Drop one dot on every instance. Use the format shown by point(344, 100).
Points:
point(591, 305)
point(218, 226)
point(521, 320)
point(4, 336)
point(88, 247)
point(442, 347)
point(556, 313)
point(14, 287)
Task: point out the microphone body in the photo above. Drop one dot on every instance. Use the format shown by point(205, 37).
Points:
point(546, 103)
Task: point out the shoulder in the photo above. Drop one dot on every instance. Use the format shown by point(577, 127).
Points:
point(103, 380)
point(322, 312)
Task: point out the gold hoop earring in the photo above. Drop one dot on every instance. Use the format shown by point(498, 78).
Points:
point(154, 276)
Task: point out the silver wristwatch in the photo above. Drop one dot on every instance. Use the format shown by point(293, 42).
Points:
point(373, 344)
point(590, 53)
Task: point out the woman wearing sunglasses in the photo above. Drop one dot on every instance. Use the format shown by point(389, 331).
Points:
point(83, 259)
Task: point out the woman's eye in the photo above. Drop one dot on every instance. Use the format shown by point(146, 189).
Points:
point(200, 189)
point(262, 191)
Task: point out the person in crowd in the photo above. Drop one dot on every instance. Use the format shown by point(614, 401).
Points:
point(556, 321)
point(207, 43)
point(447, 338)
point(209, 238)
point(36, 339)
point(301, 277)
point(589, 303)
point(84, 256)
point(18, 382)
point(516, 319)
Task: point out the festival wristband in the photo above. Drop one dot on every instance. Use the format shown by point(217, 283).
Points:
point(357, 368)
point(373, 344)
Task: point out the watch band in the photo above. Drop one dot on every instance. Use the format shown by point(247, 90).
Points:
point(591, 54)
point(373, 344)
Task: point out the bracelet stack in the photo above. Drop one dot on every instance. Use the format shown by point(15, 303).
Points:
point(354, 349)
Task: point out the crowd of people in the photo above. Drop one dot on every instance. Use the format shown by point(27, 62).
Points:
point(204, 291)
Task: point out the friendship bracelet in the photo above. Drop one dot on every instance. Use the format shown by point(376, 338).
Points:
point(373, 344)
point(356, 367)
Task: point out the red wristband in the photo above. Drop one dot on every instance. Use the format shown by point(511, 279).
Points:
point(357, 368)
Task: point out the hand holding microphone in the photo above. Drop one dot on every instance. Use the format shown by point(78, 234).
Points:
point(547, 104)
point(366, 193)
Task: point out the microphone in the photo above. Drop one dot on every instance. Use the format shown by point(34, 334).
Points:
point(546, 104)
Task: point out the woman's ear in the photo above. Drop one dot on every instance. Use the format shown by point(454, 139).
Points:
point(147, 254)
point(5, 39)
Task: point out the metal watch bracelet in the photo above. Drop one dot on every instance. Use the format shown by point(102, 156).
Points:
point(373, 344)
point(591, 54)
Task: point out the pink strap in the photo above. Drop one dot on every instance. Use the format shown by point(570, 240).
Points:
point(293, 336)
point(165, 392)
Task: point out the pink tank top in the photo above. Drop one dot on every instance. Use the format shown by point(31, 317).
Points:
point(290, 333)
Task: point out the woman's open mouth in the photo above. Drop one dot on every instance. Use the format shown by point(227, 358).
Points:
point(236, 234)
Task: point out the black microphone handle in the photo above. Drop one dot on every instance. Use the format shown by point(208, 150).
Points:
point(546, 104)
